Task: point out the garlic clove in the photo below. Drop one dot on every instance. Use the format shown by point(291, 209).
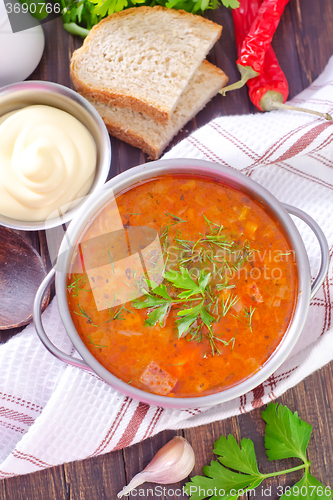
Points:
point(171, 464)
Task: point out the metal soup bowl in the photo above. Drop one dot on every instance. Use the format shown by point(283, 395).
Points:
point(20, 95)
point(234, 179)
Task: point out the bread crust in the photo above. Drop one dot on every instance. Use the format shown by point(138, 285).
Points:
point(123, 99)
point(142, 140)
point(133, 139)
point(120, 100)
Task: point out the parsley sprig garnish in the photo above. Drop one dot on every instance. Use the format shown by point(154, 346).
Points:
point(286, 436)
point(161, 300)
point(196, 298)
point(89, 12)
point(80, 16)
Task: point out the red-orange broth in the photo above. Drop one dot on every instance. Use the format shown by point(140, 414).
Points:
point(210, 233)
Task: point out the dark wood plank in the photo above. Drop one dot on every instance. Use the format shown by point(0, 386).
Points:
point(316, 409)
point(47, 484)
point(95, 479)
point(284, 45)
point(312, 25)
point(224, 55)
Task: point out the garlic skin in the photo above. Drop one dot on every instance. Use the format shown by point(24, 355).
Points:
point(172, 463)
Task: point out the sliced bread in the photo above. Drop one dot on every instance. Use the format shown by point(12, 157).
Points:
point(152, 137)
point(143, 58)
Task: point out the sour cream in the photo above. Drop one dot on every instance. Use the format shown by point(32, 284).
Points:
point(47, 160)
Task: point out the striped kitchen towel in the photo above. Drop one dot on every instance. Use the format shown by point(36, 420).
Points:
point(51, 413)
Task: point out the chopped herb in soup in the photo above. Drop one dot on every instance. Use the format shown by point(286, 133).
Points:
point(182, 286)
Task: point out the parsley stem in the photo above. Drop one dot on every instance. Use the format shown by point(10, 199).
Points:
point(178, 301)
point(287, 471)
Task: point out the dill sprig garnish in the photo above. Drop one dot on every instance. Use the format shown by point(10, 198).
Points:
point(228, 303)
point(117, 314)
point(213, 225)
point(188, 245)
point(247, 316)
point(248, 313)
point(112, 261)
point(94, 343)
point(224, 286)
point(175, 218)
point(77, 285)
point(85, 315)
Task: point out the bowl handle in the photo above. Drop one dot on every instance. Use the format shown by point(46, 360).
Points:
point(37, 317)
point(324, 249)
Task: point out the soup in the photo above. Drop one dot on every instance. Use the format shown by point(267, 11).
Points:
point(182, 286)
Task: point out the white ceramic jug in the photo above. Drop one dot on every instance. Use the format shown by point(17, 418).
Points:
point(20, 52)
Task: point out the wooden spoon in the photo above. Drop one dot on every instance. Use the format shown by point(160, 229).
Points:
point(21, 272)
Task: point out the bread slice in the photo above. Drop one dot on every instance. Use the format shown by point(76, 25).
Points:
point(143, 58)
point(152, 137)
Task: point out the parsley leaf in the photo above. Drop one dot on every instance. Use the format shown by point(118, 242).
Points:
point(207, 318)
point(286, 435)
point(199, 486)
point(233, 4)
point(308, 487)
point(203, 280)
point(188, 317)
point(183, 279)
point(242, 458)
point(160, 300)
point(157, 315)
point(224, 480)
point(150, 301)
point(162, 291)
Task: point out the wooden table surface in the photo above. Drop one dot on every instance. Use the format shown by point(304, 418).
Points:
point(303, 44)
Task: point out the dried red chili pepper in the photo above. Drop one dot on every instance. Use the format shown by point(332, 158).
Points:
point(272, 78)
point(258, 39)
point(270, 89)
point(270, 86)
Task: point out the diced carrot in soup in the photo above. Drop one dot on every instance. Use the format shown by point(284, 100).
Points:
point(208, 303)
point(243, 214)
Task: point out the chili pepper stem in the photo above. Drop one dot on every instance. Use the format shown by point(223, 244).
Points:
point(246, 73)
point(280, 105)
point(273, 100)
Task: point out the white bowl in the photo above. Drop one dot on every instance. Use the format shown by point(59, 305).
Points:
point(17, 96)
